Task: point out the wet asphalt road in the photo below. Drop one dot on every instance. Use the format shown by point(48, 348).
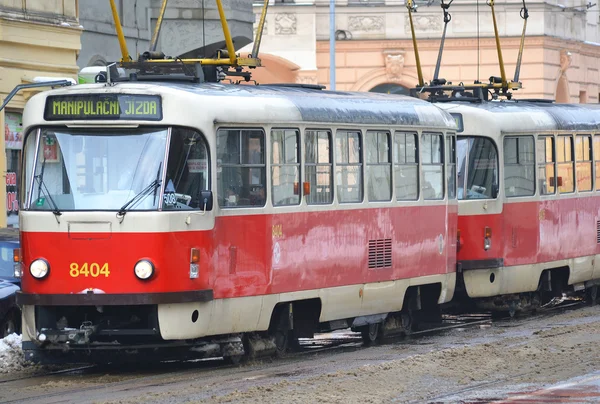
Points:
point(536, 359)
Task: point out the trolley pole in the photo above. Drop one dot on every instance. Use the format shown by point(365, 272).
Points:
point(332, 45)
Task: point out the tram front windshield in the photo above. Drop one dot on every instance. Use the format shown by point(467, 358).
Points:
point(115, 170)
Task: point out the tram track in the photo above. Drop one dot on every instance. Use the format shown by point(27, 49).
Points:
point(178, 371)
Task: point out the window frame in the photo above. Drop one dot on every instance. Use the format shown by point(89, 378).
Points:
point(451, 162)
point(330, 139)
point(360, 164)
point(442, 164)
point(546, 163)
point(298, 163)
point(467, 168)
point(596, 162)
point(590, 161)
point(564, 163)
point(377, 132)
point(416, 164)
point(264, 165)
point(518, 163)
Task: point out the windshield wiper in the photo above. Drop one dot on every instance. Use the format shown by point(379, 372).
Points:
point(154, 185)
point(43, 189)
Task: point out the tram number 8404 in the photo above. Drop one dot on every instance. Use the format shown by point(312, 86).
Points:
point(94, 270)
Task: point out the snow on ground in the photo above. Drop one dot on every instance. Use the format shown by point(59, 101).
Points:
point(11, 354)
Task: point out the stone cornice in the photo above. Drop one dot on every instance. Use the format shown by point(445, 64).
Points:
point(460, 43)
point(39, 66)
point(41, 20)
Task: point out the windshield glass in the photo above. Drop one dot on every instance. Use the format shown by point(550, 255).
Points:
point(477, 168)
point(88, 170)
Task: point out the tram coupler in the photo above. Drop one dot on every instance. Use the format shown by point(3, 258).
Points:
point(68, 335)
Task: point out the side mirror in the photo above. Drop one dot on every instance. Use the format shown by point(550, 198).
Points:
point(206, 200)
point(495, 190)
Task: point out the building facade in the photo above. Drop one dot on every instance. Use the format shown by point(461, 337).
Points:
point(374, 50)
point(38, 39)
point(187, 25)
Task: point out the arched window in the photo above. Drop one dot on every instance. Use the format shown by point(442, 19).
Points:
point(390, 88)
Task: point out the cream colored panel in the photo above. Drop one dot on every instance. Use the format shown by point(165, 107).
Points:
point(506, 280)
point(582, 269)
point(596, 265)
point(268, 304)
point(133, 222)
point(341, 302)
point(525, 278)
point(383, 297)
point(221, 316)
point(28, 321)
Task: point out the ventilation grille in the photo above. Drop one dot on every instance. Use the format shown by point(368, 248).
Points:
point(380, 253)
point(598, 232)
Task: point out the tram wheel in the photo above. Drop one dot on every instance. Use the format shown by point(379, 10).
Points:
point(370, 333)
point(407, 322)
point(283, 342)
point(591, 295)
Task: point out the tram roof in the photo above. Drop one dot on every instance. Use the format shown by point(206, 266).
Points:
point(305, 103)
point(536, 115)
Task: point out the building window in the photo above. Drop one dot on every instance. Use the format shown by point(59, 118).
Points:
point(432, 162)
point(546, 165)
point(566, 165)
point(348, 162)
point(241, 169)
point(583, 156)
point(285, 167)
point(406, 166)
point(379, 167)
point(519, 166)
point(318, 167)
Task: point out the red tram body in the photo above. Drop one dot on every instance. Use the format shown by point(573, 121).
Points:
point(529, 207)
point(197, 218)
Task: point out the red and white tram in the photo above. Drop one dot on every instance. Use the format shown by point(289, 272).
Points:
point(529, 200)
point(330, 210)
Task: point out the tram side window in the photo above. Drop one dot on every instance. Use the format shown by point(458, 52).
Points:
point(318, 167)
point(379, 168)
point(566, 165)
point(546, 165)
point(187, 170)
point(451, 162)
point(432, 158)
point(285, 167)
point(519, 166)
point(406, 166)
point(241, 169)
point(348, 169)
point(583, 156)
point(477, 168)
point(597, 160)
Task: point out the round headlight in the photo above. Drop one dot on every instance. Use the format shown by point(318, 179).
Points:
point(143, 269)
point(39, 268)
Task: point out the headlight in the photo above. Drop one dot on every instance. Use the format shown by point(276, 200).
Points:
point(143, 269)
point(39, 268)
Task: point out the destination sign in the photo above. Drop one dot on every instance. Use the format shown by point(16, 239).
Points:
point(103, 106)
